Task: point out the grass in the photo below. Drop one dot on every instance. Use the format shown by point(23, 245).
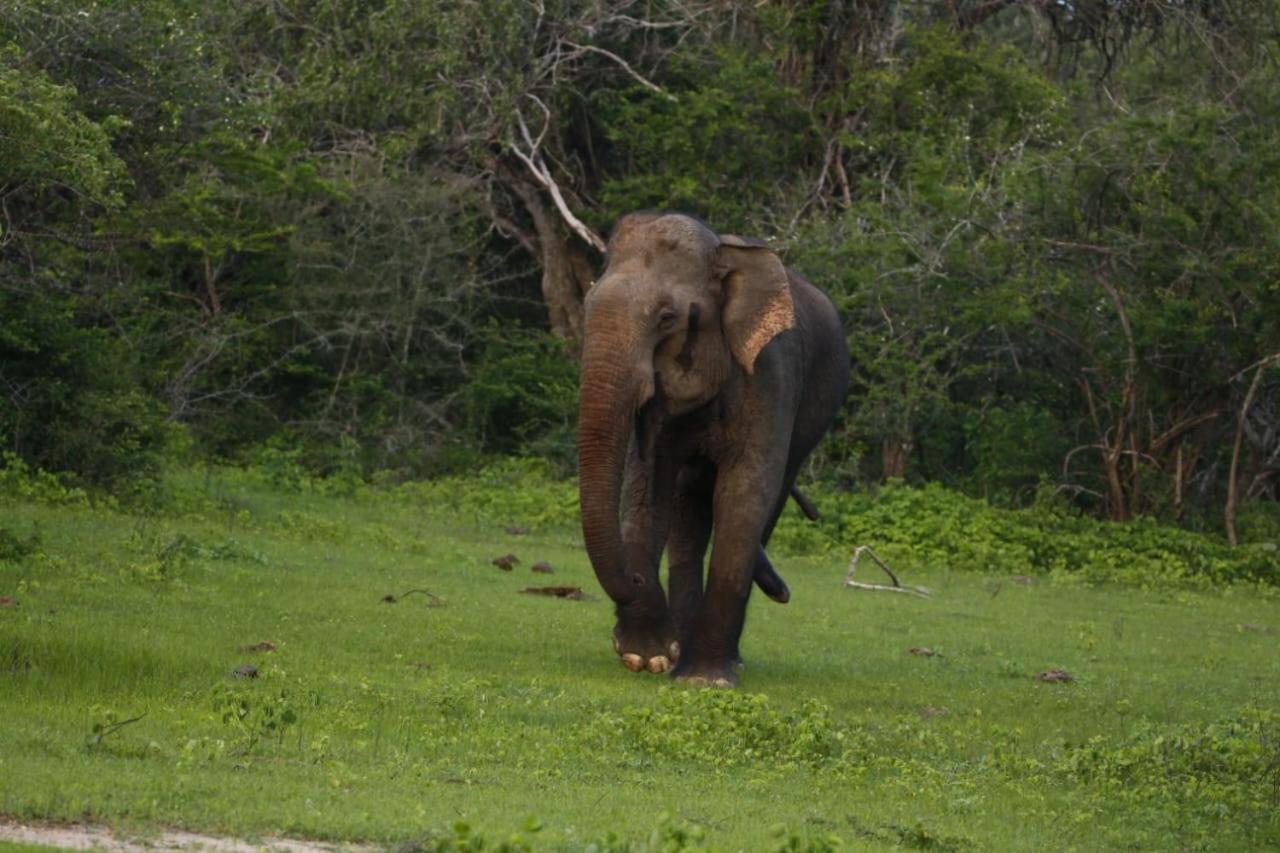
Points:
point(485, 716)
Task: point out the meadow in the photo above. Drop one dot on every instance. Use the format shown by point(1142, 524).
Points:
point(256, 653)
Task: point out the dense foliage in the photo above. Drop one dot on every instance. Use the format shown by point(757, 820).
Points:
point(357, 235)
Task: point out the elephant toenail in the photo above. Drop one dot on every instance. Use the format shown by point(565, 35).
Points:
point(659, 664)
point(633, 662)
point(617, 646)
point(674, 649)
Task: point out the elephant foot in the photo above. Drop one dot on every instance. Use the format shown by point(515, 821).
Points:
point(722, 675)
point(653, 650)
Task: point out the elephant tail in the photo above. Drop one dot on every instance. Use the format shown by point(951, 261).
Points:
point(768, 579)
point(765, 575)
point(806, 506)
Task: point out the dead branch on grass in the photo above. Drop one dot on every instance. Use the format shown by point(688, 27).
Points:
point(433, 600)
point(897, 584)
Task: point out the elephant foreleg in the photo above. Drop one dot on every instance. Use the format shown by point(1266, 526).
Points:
point(644, 636)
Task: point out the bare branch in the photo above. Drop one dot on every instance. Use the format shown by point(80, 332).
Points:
point(897, 584)
point(1233, 484)
point(622, 63)
point(538, 168)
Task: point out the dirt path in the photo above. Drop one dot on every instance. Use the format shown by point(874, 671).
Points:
point(79, 837)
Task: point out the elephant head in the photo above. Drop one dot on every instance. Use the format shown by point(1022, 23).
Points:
point(679, 312)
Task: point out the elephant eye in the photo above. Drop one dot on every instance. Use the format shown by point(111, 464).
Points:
point(667, 319)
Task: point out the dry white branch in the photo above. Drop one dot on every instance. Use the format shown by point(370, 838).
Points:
point(897, 584)
point(627, 21)
point(538, 168)
point(535, 145)
point(622, 63)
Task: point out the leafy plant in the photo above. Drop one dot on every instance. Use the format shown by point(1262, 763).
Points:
point(1221, 768)
point(256, 717)
point(728, 729)
point(510, 491)
point(713, 145)
point(15, 547)
point(106, 723)
point(943, 529)
point(522, 396)
point(161, 554)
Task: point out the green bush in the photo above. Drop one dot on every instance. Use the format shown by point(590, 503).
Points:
point(18, 481)
point(78, 407)
point(938, 528)
point(508, 491)
point(1011, 444)
point(729, 729)
point(1259, 521)
point(14, 547)
point(713, 145)
point(522, 396)
point(1222, 768)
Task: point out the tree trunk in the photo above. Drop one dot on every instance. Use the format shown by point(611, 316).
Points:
point(211, 274)
point(566, 270)
point(1179, 473)
point(893, 457)
point(1233, 478)
point(1118, 504)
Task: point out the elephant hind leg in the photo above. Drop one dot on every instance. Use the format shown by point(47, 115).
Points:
point(687, 547)
point(690, 534)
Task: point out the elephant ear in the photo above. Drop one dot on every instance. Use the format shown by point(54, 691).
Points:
point(757, 297)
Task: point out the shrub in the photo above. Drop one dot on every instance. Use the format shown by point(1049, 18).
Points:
point(1227, 767)
point(730, 729)
point(938, 528)
point(508, 491)
point(78, 407)
point(522, 397)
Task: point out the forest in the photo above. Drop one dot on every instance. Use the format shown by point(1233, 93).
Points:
point(356, 235)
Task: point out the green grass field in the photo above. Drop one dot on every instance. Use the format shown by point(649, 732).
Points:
point(477, 715)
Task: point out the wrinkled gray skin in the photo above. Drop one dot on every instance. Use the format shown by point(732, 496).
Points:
point(709, 372)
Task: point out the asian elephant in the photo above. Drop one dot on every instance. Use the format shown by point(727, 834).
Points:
point(709, 372)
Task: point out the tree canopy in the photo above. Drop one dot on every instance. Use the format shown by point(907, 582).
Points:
point(362, 232)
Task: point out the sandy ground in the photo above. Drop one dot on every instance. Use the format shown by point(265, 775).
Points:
point(78, 837)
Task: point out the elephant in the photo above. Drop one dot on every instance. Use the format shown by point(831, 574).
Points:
point(709, 372)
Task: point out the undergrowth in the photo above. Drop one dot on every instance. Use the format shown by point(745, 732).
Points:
point(935, 527)
point(730, 730)
point(913, 527)
point(1221, 769)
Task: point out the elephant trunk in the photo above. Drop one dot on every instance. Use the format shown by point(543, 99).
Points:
point(611, 390)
